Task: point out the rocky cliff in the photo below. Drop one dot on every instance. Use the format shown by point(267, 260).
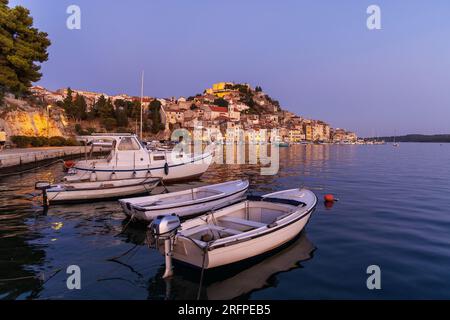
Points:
point(19, 117)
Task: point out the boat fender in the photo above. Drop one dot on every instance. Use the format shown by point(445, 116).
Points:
point(93, 176)
point(134, 174)
point(68, 164)
point(113, 175)
point(166, 168)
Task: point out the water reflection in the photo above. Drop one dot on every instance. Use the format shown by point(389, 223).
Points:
point(235, 282)
point(376, 219)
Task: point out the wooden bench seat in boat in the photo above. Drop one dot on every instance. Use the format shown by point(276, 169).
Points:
point(209, 227)
point(244, 222)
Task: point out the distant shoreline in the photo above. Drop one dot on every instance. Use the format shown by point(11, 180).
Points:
point(434, 138)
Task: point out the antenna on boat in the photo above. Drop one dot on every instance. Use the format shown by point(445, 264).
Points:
point(142, 98)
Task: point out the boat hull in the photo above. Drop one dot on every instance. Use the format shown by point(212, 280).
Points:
point(187, 208)
point(175, 173)
point(188, 211)
point(239, 251)
point(134, 187)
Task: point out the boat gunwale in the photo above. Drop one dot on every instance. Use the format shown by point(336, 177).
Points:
point(192, 161)
point(215, 197)
point(145, 182)
point(255, 233)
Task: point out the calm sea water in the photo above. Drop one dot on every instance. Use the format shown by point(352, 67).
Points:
point(393, 211)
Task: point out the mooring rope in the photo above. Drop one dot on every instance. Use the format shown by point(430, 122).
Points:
point(40, 276)
point(202, 272)
point(29, 170)
point(126, 226)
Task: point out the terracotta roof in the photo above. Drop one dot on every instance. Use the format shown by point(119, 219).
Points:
point(218, 109)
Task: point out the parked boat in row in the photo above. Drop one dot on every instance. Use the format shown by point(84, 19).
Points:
point(236, 232)
point(130, 159)
point(129, 169)
point(185, 203)
point(94, 191)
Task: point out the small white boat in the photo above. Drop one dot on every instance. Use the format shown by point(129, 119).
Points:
point(235, 233)
point(99, 190)
point(185, 203)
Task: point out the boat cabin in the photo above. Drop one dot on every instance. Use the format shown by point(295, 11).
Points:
point(126, 148)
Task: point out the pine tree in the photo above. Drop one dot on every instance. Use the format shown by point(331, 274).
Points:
point(80, 108)
point(121, 113)
point(155, 107)
point(21, 47)
point(68, 103)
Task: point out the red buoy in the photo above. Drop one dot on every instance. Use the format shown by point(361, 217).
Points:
point(69, 164)
point(329, 198)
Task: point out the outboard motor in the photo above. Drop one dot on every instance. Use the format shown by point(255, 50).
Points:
point(43, 186)
point(165, 228)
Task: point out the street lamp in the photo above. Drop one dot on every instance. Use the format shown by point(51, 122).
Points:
point(48, 120)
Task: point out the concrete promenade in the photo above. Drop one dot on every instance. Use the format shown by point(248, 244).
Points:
point(10, 158)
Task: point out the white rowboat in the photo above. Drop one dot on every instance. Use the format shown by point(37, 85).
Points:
point(99, 190)
point(185, 203)
point(235, 233)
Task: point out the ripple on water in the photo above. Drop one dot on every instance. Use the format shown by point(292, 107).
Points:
point(392, 212)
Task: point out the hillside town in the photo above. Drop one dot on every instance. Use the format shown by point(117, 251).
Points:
point(227, 107)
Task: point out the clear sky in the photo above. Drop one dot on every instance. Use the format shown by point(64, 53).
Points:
point(316, 57)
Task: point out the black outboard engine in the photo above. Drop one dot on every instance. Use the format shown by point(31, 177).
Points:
point(165, 228)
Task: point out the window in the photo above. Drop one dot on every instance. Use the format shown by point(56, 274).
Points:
point(128, 143)
point(158, 158)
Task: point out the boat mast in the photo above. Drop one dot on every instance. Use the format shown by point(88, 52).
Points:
point(142, 98)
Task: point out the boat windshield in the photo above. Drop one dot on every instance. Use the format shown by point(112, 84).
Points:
point(128, 143)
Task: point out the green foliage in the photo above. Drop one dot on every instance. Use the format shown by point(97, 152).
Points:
point(22, 47)
point(26, 141)
point(109, 123)
point(133, 109)
point(121, 113)
point(242, 88)
point(21, 141)
point(104, 108)
point(248, 100)
point(78, 129)
point(221, 102)
point(438, 138)
point(75, 108)
point(72, 142)
point(68, 102)
point(80, 108)
point(56, 141)
point(193, 106)
point(122, 130)
point(155, 107)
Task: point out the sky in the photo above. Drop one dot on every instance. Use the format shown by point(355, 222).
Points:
point(317, 57)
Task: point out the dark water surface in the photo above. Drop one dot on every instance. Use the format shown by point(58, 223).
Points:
point(393, 212)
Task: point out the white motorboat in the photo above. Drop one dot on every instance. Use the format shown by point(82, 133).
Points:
point(235, 233)
point(129, 159)
point(99, 190)
point(185, 203)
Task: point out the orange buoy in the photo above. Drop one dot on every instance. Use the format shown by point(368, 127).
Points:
point(69, 163)
point(329, 198)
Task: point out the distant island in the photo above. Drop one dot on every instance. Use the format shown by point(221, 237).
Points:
point(439, 138)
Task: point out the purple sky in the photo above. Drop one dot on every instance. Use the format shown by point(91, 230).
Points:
point(316, 57)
